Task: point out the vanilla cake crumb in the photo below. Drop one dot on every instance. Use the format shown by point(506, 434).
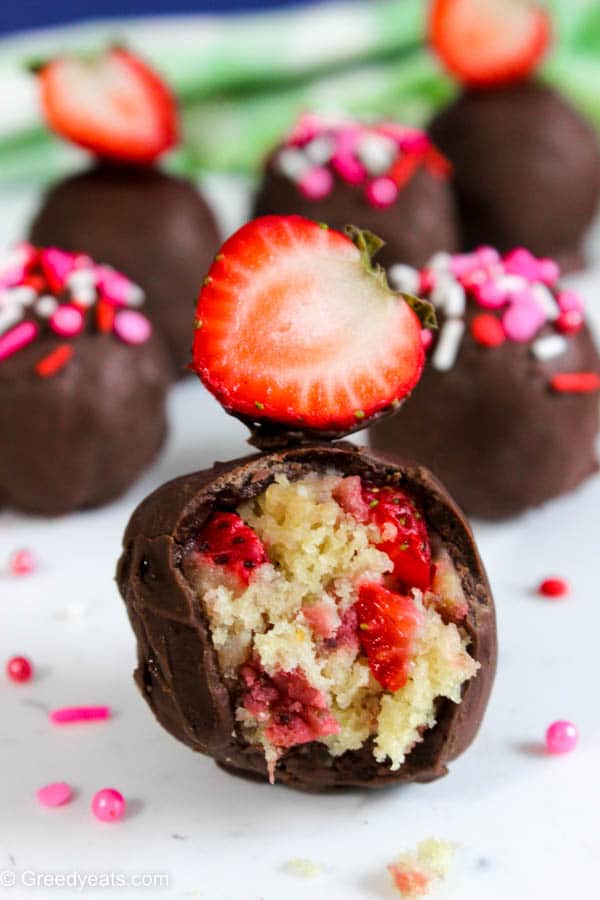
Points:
point(303, 868)
point(415, 873)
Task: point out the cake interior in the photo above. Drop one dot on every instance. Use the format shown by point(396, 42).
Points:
point(319, 632)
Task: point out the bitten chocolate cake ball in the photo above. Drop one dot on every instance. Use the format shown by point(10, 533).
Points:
point(316, 614)
point(526, 169)
point(387, 178)
point(154, 227)
point(506, 413)
point(82, 382)
point(150, 225)
point(526, 164)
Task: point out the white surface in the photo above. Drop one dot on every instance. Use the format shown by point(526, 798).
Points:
point(526, 824)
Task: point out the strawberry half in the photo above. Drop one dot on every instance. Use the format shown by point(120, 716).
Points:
point(489, 42)
point(295, 327)
point(225, 540)
point(387, 626)
point(112, 104)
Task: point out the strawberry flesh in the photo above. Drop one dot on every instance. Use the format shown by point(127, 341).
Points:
point(485, 43)
point(387, 626)
point(294, 328)
point(226, 540)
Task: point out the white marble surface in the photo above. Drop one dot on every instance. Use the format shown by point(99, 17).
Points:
point(526, 824)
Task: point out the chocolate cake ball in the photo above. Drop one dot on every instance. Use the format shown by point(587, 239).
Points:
point(155, 228)
point(526, 169)
point(83, 382)
point(506, 413)
point(316, 616)
point(386, 178)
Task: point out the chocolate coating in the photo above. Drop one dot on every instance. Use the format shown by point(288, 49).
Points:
point(526, 169)
point(177, 670)
point(80, 437)
point(420, 222)
point(494, 431)
point(153, 227)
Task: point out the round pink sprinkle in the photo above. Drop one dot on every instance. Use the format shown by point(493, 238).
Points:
point(462, 264)
point(108, 805)
point(132, 327)
point(381, 192)
point(561, 737)
point(569, 301)
point(349, 168)
point(521, 262)
point(22, 562)
point(67, 321)
point(69, 714)
point(316, 183)
point(56, 794)
point(490, 295)
point(487, 256)
point(548, 271)
point(426, 338)
point(522, 321)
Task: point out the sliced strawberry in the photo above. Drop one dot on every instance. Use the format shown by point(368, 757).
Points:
point(294, 326)
point(112, 104)
point(489, 42)
point(225, 540)
point(387, 626)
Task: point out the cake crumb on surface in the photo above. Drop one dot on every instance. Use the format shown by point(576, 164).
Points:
point(303, 868)
point(417, 872)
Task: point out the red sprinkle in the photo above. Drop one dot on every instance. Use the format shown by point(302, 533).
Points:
point(553, 587)
point(69, 714)
point(105, 316)
point(569, 321)
point(19, 669)
point(22, 562)
point(487, 330)
point(575, 382)
point(55, 361)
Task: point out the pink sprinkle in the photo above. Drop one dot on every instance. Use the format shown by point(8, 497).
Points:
point(382, 192)
point(487, 256)
point(108, 805)
point(22, 562)
point(13, 267)
point(69, 714)
point(17, 338)
point(522, 320)
point(56, 794)
point(306, 128)
point(569, 301)
point(490, 294)
point(349, 168)
point(57, 266)
point(548, 271)
point(426, 281)
point(569, 322)
point(414, 141)
point(67, 321)
point(561, 737)
point(521, 262)
point(316, 183)
point(132, 327)
point(462, 264)
point(426, 338)
point(113, 286)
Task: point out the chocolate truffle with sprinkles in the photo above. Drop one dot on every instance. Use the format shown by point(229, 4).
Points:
point(314, 614)
point(384, 177)
point(124, 211)
point(506, 413)
point(83, 382)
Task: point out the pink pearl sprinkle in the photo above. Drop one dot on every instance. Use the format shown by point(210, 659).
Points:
point(56, 794)
point(132, 327)
point(521, 262)
point(548, 271)
point(108, 805)
point(381, 192)
point(113, 286)
point(57, 265)
point(17, 338)
point(349, 168)
point(316, 183)
point(68, 714)
point(522, 321)
point(462, 264)
point(487, 256)
point(22, 562)
point(490, 294)
point(67, 321)
point(561, 737)
point(426, 338)
point(569, 301)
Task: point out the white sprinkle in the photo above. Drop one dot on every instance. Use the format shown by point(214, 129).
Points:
point(546, 300)
point(9, 316)
point(81, 279)
point(404, 278)
point(22, 295)
point(320, 150)
point(135, 295)
point(512, 283)
point(440, 263)
point(549, 347)
point(377, 153)
point(292, 163)
point(448, 344)
point(84, 294)
point(456, 301)
point(45, 306)
point(448, 292)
